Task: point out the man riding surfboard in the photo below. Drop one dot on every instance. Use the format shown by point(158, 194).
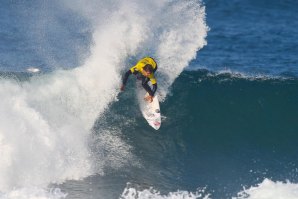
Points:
point(144, 70)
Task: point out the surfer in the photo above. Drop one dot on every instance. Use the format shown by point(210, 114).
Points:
point(144, 70)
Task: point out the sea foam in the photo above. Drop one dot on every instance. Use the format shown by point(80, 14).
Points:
point(267, 189)
point(46, 122)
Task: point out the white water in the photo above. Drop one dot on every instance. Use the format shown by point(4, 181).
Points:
point(34, 193)
point(265, 190)
point(132, 193)
point(269, 190)
point(45, 122)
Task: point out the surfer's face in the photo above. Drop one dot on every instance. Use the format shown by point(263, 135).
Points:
point(146, 73)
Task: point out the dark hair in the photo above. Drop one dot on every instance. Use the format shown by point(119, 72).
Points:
point(148, 67)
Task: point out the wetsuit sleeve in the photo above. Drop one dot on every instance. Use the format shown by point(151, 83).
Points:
point(154, 89)
point(125, 77)
point(148, 89)
point(154, 85)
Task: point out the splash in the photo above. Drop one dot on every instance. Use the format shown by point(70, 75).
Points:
point(269, 189)
point(34, 193)
point(133, 193)
point(45, 122)
point(172, 32)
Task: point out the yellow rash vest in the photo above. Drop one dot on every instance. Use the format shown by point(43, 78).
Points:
point(140, 65)
point(137, 71)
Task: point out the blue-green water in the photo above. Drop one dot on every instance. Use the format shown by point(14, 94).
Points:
point(224, 131)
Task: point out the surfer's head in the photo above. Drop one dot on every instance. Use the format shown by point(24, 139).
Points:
point(147, 70)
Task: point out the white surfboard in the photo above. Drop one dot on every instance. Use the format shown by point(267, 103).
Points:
point(151, 111)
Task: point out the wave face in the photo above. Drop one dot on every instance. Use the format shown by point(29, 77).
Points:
point(236, 130)
point(47, 119)
point(221, 133)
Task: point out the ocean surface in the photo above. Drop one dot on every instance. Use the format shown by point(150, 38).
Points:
point(227, 84)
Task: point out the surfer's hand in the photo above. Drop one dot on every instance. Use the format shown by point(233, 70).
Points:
point(149, 98)
point(122, 87)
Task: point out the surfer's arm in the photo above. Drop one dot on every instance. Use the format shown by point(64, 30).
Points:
point(151, 92)
point(125, 77)
point(133, 70)
point(148, 89)
point(154, 88)
point(124, 80)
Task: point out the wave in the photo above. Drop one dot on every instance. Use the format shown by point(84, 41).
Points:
point(269, 189)
point(34, 192)
point(248, 122)
point(265, 190)
point(47, 119)
point(220, 130)
point(130, 193)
